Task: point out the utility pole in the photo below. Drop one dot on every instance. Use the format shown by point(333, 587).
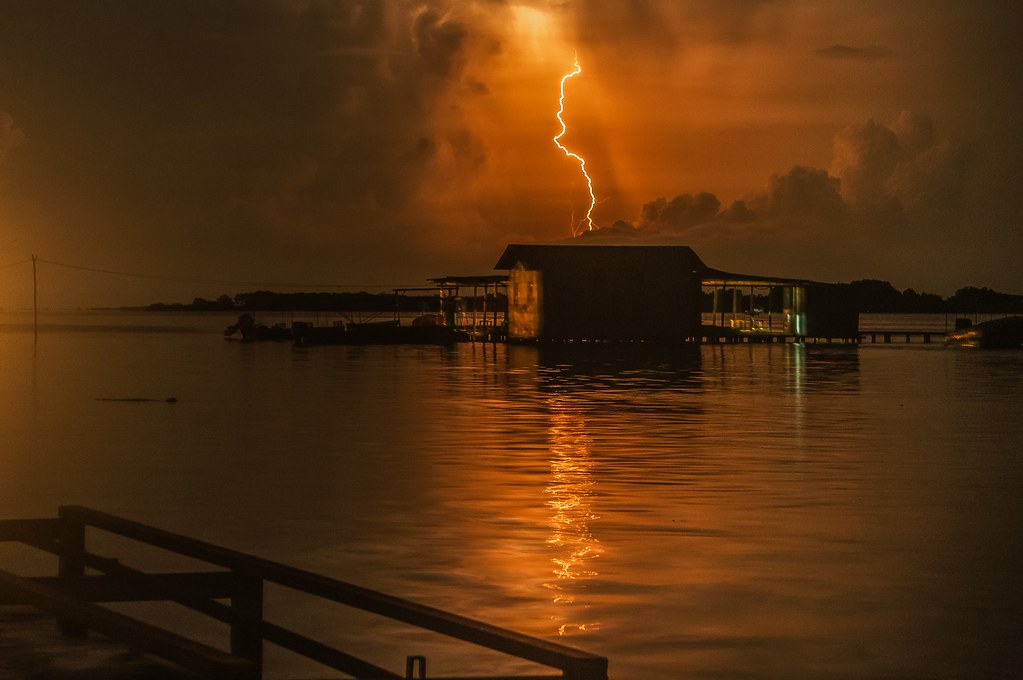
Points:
point(35, 300)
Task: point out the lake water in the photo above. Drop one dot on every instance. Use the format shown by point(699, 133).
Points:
point(739, 511)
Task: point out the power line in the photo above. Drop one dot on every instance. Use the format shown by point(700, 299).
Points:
point(13, 264)
point(220, 282)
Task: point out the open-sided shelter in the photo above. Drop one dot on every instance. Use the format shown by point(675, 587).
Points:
point(659, 293)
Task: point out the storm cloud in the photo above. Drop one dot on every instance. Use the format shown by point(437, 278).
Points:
point(896, 185)
point(235, 127)
point(870, 53)
point(381, 142)
point(10, 135)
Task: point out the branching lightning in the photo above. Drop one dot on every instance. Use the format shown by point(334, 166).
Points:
point(589, 225)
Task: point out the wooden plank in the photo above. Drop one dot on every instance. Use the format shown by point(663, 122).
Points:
point(168, 590)
point(162, 643)
point(452, 625)
point(190, 547)
point(247, 608)
point(35, 532)
point(71, 548)
point(499, 677)
point(247, 627)
point(576, 663)
point(321, 653)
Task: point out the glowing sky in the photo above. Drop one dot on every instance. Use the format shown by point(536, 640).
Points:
point(381, 142)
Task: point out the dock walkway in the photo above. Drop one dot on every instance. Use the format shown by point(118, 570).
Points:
point(886, 336)
point(84, 580)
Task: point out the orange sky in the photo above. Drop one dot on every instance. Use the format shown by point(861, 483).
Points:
point(379, 143)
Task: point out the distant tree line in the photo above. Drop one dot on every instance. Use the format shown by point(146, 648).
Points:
point(868, 295)
point(873, 296)
point(264, 300)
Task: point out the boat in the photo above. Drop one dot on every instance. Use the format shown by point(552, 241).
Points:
point(425, 330)
point(997, 333)
point(250, 330)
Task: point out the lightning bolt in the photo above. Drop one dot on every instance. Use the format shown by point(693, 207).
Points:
point(590, 226)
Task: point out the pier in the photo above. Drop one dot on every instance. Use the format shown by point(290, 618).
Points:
point(723, 335)
point(874, 336)
point(84, 579)
point(887, 336)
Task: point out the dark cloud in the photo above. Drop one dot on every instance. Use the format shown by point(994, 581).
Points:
point(801, 191)
point(904, 171)
point(374, 139)
point(891, 188)
point(440, 43)
point(10, 135)
point(667, 24)
point(234, 126)
point(739, 211)
point(680, 212)
point(871, 53)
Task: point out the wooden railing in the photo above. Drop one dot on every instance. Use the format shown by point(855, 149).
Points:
point(886, 336)
point(72, 594)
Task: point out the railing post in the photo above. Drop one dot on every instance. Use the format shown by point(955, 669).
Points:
point(411, 662)
point(71, 563)
point(247, 603)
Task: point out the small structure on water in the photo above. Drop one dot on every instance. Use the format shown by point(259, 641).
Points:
point(598, 293)
point(1003, 333)
point(569, 292)
point(475, 304)
point(661, 293)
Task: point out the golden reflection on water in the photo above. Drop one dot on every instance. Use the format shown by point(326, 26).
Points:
point(570, 494)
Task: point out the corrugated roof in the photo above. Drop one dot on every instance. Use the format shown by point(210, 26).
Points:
point(714, 277)
point(485, 279)
point(544, 256)
point(541, 256)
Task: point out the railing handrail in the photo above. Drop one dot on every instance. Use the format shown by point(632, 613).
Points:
point(567, 659)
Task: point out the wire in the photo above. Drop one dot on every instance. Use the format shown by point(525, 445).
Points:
point(12, 264)
point(222, 282)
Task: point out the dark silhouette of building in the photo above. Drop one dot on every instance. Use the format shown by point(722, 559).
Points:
point(660, 293)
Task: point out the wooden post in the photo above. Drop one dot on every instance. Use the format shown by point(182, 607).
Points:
point(35, 300)
point(247, 606)
point(722, 305)
point(496, 306)
point(411, 662)
point(475, 322)
point(486, 289)
point(71, 563)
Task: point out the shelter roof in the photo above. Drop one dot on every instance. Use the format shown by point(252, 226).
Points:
point(717, 277)
point(537, 256)
point(483, 280)
point(546, 256)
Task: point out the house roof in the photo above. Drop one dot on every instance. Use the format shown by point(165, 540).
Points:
point(484, 280)
point(545, 256)
point(716, 277)
point(682, 257)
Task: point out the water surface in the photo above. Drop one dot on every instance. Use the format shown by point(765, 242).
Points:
point(747, 511)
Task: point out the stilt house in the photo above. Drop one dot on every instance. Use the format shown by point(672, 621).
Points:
point(659, 293)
